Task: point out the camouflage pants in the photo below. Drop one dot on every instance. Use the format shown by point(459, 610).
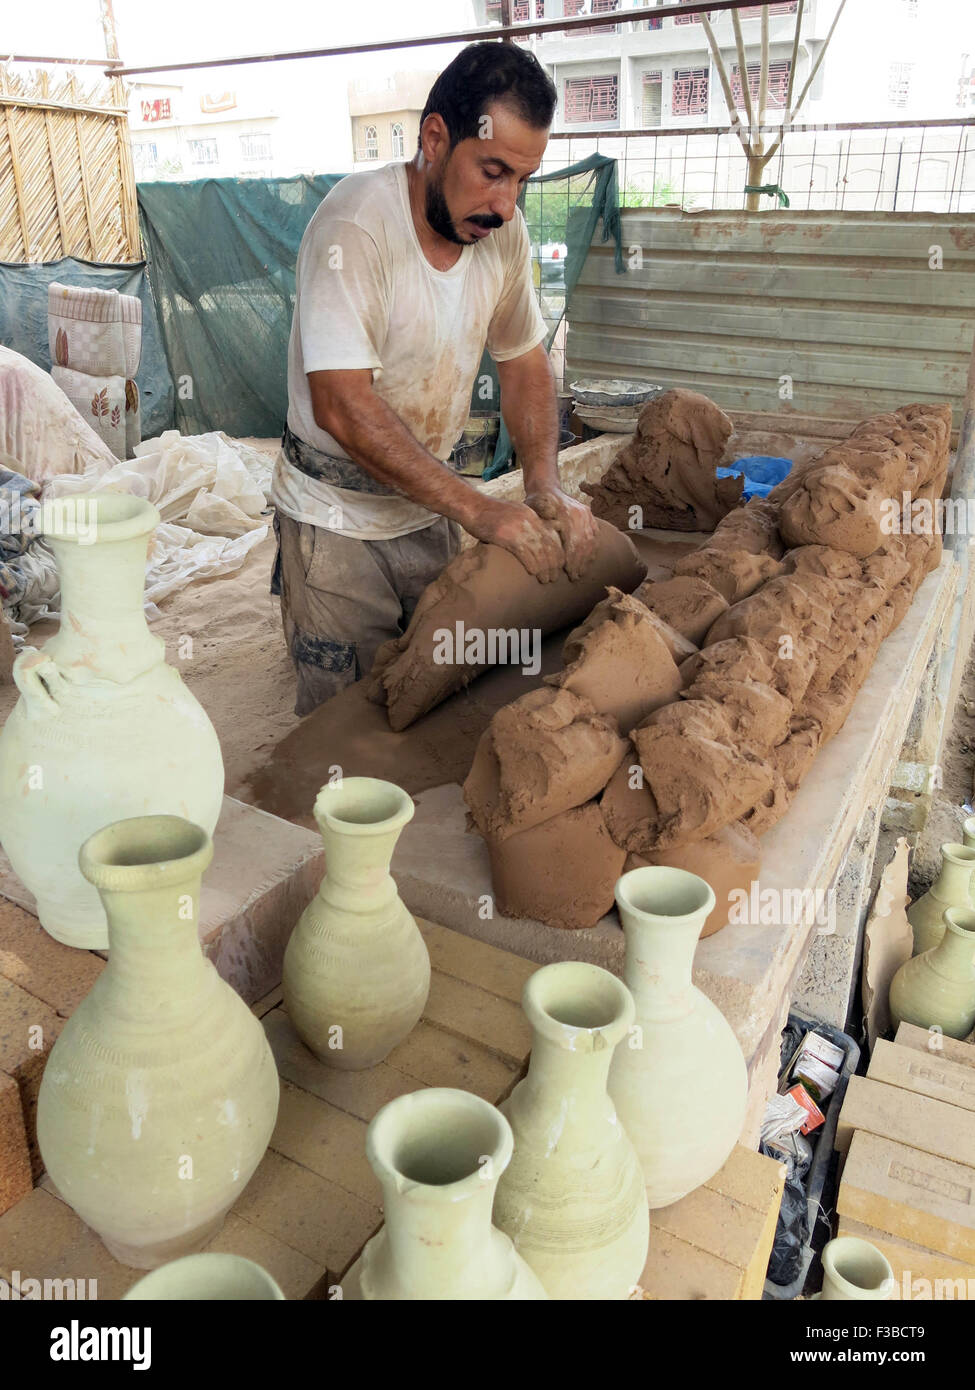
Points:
point(342, 598)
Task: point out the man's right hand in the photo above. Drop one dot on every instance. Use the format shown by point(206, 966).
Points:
point(516, 528)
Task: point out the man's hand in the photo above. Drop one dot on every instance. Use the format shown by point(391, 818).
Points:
point(520, 530)
point(573, 521)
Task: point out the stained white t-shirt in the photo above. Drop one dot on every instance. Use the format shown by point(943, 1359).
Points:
point(366, 296)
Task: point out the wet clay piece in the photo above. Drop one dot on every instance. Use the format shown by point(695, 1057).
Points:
point(687, 603)
point(546, 753)
point(561, 872)
point(623, 664)
point(487, 594)
point(667, 470)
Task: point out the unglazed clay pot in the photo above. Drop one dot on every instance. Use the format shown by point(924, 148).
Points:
point(161, 1093)
point(968, 832)
point(952, 888)
point(103, 729)
point(206, 1278)
point(573, 1199)
point(855, 1270)
point(438, 1155)
point(356, 969)
point(681, 1092)
point(937, 988)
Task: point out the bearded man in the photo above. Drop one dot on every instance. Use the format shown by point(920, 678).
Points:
point(404, 275)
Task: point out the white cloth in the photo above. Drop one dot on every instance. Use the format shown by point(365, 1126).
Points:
point(367, 297)
point(41, 433)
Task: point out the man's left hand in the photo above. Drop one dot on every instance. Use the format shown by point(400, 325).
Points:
point(574, 523)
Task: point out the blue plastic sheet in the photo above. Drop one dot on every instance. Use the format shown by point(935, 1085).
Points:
point(761, 473)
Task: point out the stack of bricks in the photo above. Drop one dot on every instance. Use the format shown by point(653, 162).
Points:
point(907, 1130)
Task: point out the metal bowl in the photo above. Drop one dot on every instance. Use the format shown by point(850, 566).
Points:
point(592, 391)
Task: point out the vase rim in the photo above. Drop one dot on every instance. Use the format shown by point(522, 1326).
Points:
point(646, 892)
point(115, 516)
point(144, 853)
point(853, 1246)
point(211, 1276)
point(578, 1006)
point(370, 805)
point(957, 853)
point(960, 921)
point(414, 1133)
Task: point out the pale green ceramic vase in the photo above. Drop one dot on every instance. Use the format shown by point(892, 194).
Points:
point(356, 969)
point(438, 1155)
point(572, 1198)
point(952, 888)
point(161, 1093)
point(207, 1278)
point(855, 1271)
point(937, 988)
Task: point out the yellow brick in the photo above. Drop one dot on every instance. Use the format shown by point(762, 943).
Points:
point(464, 1009)
point(331, 1143)
point(498, 972)
point(915, 1195)
point(919, 1121)
point(306, 1212)
point(28, 1029)
point(678, 1271)
point(926, 1074)
point(908, 1261)
point(15, 1171)
point(936, 1045)
point(436, 1058)
point(58, 975)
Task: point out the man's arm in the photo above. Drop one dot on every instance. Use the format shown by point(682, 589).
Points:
point(530, 408)
point(346, 407)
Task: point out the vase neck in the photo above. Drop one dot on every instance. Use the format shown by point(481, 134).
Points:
point(954, 956)
point(154, 951)
point(565, 1084)
point(953, 882)
point(659, 962)
point(103, 633)
point(439, 1243)
point(358, 863)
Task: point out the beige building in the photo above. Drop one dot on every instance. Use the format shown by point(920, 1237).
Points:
point(386, 116)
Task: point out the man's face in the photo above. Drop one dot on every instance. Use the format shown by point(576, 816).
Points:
point(474, 187)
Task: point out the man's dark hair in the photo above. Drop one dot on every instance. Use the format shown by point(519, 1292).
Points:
point(486, 72)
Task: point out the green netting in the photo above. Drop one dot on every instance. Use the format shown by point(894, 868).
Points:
point(222, 256)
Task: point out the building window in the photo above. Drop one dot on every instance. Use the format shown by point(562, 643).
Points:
point(590, 100)
point(899, 83)
point(371, 137)
point(255, 146)
point(145, 155)
point(521, 11)
point(652, 106)
point(203, 152)
point(690, 96)
point(778, 83)
point(755, 11)
point(688, 18)
point(397, 140)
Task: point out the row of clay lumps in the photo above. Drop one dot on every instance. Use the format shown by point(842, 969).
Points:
point(729, 678)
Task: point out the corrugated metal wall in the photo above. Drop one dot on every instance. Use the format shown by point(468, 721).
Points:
point(846, 305)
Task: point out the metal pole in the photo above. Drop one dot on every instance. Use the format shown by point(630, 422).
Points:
point(535, 26)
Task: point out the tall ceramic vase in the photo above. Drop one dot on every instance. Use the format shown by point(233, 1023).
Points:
point(103, 729)
point(951, 888)
point(438, 1155)
point(573, 1199)
point(937, 988)
point(855, 1271)
point(356, 969)
point(968, 832)
point(681, 1093)
point(207, 1278)
point(161, 1093)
